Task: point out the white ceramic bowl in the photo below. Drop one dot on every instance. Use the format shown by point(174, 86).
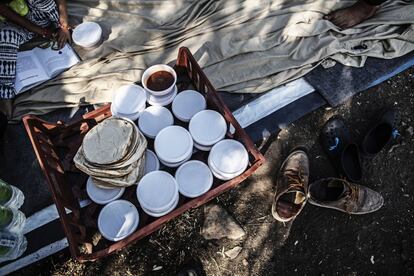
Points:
point(173, 144)
point(155, 68)
point(194, 178)
point(100, 195)
point(207, 127)
point(151, 162)
point(157, 191)
point(188, 103)
point(164, 100)
point(153, 119)
point(228, 158)
point(87, 34)
point(117, 220)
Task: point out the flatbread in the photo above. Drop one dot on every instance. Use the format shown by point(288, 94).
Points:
point(108, 142)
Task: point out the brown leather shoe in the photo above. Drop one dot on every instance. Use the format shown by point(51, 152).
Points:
point(344, 196)
point(291, 185)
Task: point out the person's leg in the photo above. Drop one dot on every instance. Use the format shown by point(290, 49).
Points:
point(10, 39)
point(355, 14)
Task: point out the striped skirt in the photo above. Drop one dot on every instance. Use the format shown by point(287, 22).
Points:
point(42, 13)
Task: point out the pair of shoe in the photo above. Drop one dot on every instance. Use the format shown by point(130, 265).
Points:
point(293, 191)
point(346, 154)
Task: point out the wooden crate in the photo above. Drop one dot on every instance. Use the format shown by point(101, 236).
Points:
point(55, 145)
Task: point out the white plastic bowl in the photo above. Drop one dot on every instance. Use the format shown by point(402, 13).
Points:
point(87, 34)
point(207, 127)
point(188, 103)
point(132, 117)
point(117, 220)
point(164, 100)
point(177, 164)
point(151, 162)
point(129, 99)
point(160, 214)
point(157, 191)
point(223, 176)
point(101, 195)
point(173, 144)
point(194, 178)
point(153, 119)
point(228, 158)
point(155, 68)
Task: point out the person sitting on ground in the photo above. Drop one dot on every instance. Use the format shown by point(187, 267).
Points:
point(22, 20)
point(355, 14)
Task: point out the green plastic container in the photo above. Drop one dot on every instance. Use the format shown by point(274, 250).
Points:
point(6, 192)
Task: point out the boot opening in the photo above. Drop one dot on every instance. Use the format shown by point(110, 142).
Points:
point(290, 203)
point(378, 138)
point(327, 191)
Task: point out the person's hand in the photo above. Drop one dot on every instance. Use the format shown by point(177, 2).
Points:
point(63, 36)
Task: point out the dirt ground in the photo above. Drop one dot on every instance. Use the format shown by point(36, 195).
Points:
point(320, 241)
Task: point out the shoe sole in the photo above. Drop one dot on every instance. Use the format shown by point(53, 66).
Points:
point(341, 210)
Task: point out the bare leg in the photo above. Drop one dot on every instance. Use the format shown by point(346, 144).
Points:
point(353, 15)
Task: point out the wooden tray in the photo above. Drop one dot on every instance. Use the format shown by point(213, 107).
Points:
point(55, 145)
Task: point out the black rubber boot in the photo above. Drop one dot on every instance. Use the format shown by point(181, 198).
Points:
point(342, 151)
point(382, 132)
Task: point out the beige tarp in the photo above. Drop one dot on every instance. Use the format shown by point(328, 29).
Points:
point(243, 46)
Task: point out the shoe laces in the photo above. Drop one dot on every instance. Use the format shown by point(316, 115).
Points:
point(353, 194)
point(295, 178)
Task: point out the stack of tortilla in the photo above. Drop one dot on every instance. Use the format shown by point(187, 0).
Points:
point(113, 153)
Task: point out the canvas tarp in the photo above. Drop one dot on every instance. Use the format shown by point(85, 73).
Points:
point(244, 46)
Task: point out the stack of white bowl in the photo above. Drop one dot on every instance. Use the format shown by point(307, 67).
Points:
point(194, 178)
point(153, 119)
point(118, 220)
point(157, 193)
point(228, 159)
point(187, 104)
point(173, 146)
point(128, 102)
point(163, 97)
point(102, 195)
point(87, 35)
point(151, 162)
point(207, 127)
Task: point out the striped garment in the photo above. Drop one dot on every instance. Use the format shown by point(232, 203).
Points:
point(42, 13)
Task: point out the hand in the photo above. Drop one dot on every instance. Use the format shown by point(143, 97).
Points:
point(63, 36)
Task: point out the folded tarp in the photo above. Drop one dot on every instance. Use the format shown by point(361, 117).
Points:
point(243, 46)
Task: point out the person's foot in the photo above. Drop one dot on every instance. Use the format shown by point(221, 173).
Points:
point(353, 15)
point(292, 181)
point(344, 196)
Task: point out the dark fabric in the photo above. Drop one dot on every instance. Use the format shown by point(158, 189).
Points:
point(375, 2)
point(339, 83)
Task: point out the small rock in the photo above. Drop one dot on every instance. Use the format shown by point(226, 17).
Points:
point(245, 262)
point(372, 260)
point(234, 252)
point(219, 224)
point(410, 131)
